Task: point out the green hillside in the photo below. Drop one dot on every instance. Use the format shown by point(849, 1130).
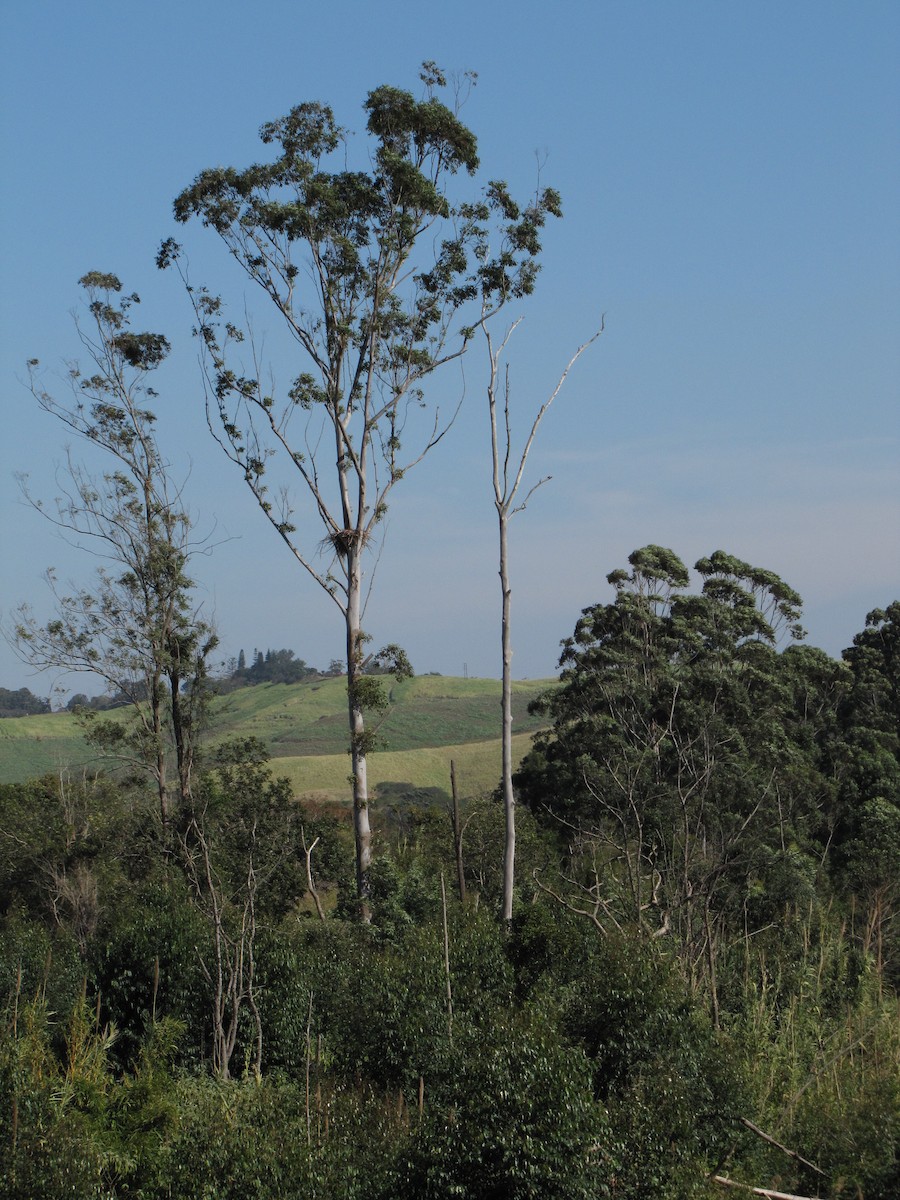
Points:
point(431, 719)
point(399, 774)
point(31, 746)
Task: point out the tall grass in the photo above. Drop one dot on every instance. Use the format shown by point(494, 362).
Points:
point(820, 1036)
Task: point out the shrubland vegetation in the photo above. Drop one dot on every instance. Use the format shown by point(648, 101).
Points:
point(212, 989)
point(703, 947)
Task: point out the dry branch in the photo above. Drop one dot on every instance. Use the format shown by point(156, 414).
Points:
point(755, 1191)
point(784, 1149)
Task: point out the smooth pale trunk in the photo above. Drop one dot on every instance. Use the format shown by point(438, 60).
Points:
point(359, 771)
point(156, 724)
point(509, 799)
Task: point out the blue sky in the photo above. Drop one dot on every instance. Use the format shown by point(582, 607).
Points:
point(730, 178)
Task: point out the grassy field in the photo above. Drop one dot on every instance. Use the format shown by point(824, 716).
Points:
point(31, 746)
point(431, 719)
point(310, 718)
point(399, 773)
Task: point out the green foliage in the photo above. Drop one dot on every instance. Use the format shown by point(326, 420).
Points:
point(866, 751)
point(548, 948)
point(402, 898)
point(136, 628)
point(671, 1093)
point(275, 666)
point(484, 826)
point(848, 1117)
point(679, 756)
point(58, 855)
point(874, 660)
point(369, 693)
point(236, 851)
point(71, 1126)
point(392, 660)
point(21, 703)
point(820, 1041)
point(39, 963)
point(872, 855)
point(519, 1124)
point(46, 1153)
point(254, 1140)
point(383, 1011)
point(249, 818)
point(571, 1057)
point(146, 968)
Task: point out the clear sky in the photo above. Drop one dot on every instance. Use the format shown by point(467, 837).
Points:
point(731, 185)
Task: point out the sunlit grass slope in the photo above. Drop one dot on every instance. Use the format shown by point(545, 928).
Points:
point(477, 767)
point(431, 718)
point(429, 710)
point(31, 746)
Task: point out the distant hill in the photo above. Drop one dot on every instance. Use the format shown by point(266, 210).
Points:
point(432, 718)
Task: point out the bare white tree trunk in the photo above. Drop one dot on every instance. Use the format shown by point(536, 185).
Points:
point(310, 885)
point(507, 478)
point(362, 829)
point(509, 797)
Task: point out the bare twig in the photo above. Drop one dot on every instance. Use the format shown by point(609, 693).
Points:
point(310, 887)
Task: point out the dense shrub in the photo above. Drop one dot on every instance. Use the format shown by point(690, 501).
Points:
point(519, 1124)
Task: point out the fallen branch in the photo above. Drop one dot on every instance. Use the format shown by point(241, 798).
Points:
point(772, 1142)
point(760, 1191)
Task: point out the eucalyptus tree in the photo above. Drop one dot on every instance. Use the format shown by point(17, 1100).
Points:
point(865, 757)
point(674, 760)
point(137, 628)
point(870, 713)
point(507, 474)
point(379, 276)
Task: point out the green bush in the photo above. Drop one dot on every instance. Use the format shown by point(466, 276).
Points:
point(146, 966)
point(70, 1124)
point(37, 962)
point(672, 1090)
point(520, 1124)
point(257, 1141)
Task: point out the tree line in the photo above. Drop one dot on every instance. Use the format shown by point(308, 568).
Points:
point(21, 703)
point(270, 666)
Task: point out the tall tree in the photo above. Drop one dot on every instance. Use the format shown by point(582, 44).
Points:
point(870, 713)
point(674, 755)
point(507, 472)
point(380, 277)
point(137, 629)
point(865, 758)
